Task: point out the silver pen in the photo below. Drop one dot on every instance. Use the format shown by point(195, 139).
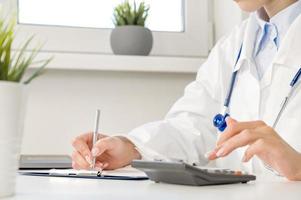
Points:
point(95, 134)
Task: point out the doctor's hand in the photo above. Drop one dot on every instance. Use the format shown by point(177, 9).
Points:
point(263, 142)
point(110, 152)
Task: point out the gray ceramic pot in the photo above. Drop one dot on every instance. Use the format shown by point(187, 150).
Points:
point(131, 40)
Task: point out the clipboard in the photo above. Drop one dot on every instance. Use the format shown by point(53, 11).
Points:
point(126, 173)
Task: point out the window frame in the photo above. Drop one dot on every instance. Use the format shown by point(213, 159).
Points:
point(91, 27)
point(194, 41)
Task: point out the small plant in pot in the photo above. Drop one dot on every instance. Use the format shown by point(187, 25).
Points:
point(13, 66)
point(130, 36)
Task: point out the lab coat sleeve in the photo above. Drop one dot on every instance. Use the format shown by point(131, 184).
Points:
point(187, 132)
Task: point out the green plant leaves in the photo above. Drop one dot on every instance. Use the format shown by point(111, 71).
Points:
point(39, 71)
point(13, 68)
point(6, 40)
point(127, 14)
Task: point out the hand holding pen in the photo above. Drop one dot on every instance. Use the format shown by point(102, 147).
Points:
point(98, 151)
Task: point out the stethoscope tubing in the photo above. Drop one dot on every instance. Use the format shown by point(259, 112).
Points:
point(219, 120)
point(233, 79)
point(293, 85)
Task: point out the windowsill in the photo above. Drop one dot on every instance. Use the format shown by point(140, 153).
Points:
point(100, 62)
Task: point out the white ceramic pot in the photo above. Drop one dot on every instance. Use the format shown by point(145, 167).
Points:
point(12, 110)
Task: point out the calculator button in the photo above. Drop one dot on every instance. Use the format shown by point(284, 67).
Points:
point(238, 173)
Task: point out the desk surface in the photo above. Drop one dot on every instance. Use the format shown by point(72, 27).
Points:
point(37, 188)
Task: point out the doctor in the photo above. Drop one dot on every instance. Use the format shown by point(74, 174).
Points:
point(264, 54)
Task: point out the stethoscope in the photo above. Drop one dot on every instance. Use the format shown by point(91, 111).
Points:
point(219, 121)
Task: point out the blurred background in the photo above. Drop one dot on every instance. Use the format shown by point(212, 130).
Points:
point(85, 74)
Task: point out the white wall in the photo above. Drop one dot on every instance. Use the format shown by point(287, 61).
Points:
point(62, 103)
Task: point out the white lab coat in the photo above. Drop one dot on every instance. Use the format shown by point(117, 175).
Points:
point(187, 132)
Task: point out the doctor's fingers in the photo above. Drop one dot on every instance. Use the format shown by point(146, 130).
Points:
point(269, 142)
point(79, 162)
point(236, 128)
point(83, 144)
point(100, 166)
point(75, 166)
point(103, 145)
point(242, 139)
point(88, 138)
point(230, 121)
point(256, 148)
point(82, 148)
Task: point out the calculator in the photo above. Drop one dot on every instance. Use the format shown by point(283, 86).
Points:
point(186, 174)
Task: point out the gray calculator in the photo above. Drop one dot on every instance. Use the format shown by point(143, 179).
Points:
point(185, 174)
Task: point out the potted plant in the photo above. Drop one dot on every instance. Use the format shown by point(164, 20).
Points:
point(130, 36)
point(13, 66)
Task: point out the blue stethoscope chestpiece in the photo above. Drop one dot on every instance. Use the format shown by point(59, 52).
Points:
point(219, 121)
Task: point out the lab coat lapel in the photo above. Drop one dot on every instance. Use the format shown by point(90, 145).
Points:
point(285, 65)
point(289, 54)
point(246, 57)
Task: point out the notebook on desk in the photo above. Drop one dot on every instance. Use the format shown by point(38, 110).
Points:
point(44, 162)
point(127, 173)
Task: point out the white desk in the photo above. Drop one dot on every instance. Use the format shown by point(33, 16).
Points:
point(44, 188)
